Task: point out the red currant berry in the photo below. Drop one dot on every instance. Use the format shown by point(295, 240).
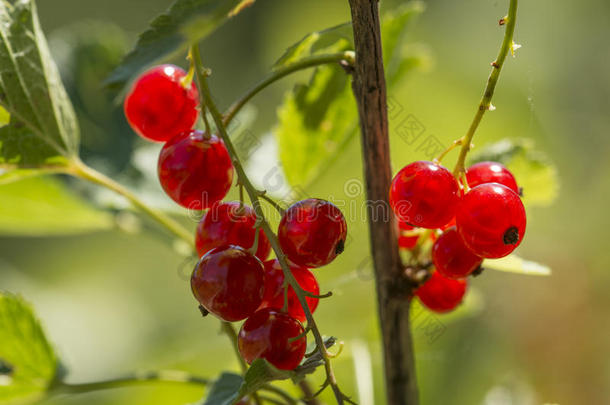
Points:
point(405, 241)
point(229, 282)
point(230, 223)
point(451, 257)
point(491, 220)
point(195, 170)
point(490, 172)
point(424, 194)
point(274, 290)
point(312, 232)
point(268, 334)
point(159, 107)
point(441, 294)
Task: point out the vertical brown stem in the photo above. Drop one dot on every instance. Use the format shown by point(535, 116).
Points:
point(370, 91)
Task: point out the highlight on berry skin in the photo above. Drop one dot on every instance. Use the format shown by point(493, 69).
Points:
point(159, 106)
point(195, 169)
point(424, 194)
point(312, 232)
point(229, 282)
point(491, 220)
point(230, 223)
point(274, 336)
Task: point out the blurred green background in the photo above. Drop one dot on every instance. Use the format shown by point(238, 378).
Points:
point(117, 301)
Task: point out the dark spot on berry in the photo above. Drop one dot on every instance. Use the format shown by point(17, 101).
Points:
point(477, 271)
point(204, 312)
point(340, 247)
point(511, 236)
point(5, 368)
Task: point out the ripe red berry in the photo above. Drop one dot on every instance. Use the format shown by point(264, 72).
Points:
point(230, 223)
point(267, 334)
point(195, 170)
point(491, 220)
point(424, 194)
point(274, 290)
point(490, 172)
point(441, 294)
point(405, 241)
point(451, 257)
point(312, 232)
point(158, 107)
point(229, 282)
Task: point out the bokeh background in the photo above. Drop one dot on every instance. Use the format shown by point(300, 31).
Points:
point(118, 300)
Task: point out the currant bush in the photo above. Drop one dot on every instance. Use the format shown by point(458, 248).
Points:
point(159, 106)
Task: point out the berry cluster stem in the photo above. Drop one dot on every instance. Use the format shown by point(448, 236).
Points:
point(254, 195)
point(485, 104)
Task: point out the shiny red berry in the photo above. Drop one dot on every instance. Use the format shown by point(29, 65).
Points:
point(229, 282)
point(490, 172)
point(451, 257)
point(274, 290)
point(195, 170)
point(230, 223)
point(312, 232)
point(268, 335)
point(405, 241)
point(441, 294)
point(491, 220)
point(424, 194)
point(158, 106)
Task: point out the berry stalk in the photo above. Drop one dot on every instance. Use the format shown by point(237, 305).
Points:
point(78, 169)
point(254, 195)
point(311, 61)
point(485, 104)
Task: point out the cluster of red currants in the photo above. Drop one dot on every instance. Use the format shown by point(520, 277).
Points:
point(233, 278)
point(484, 219)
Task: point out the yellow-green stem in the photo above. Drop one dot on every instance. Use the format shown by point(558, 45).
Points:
point(510, 20)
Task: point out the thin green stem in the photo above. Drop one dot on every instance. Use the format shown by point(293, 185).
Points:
point(81, 170)
point(131, 380)
point(254, 194)
point(229, 330)
point(485, 104)
point(284, 71)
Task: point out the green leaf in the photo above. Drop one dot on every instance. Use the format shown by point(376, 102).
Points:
point(319, 118)
point(515, 264)
point(44, 206)
point(5, 117)
point(319, 42)
point(399, 57)
point(534, 172)
point(225, 390)
point(28, 363)
point(42, 122)
point(186, 22)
